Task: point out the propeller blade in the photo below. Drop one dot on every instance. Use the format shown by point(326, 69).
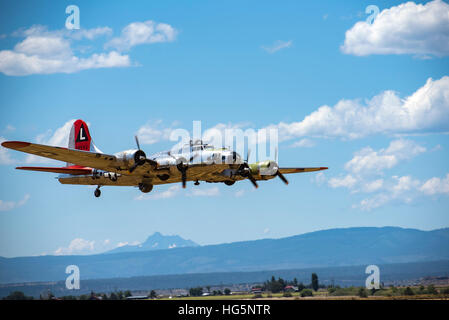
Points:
point(184, 178)
point(281, 176)
point(253, 181)
point(133, 167)
point(247, 155)
point(193, 157)
point(137, 142)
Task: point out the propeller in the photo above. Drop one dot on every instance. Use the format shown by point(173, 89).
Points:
point(182, 167)
point(245, 171)
point(140, 158)
point(278, 173)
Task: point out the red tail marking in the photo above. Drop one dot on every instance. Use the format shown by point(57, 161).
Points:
point(82, 136)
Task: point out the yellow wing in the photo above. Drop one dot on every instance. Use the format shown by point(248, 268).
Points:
point(297, 170)
point(82, 158)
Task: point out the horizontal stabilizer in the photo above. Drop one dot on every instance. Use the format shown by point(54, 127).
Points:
point(74, 170)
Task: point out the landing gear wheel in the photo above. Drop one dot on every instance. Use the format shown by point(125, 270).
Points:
point(97, 192)
point(197, 183)
point(229, 183)
point(145, 187)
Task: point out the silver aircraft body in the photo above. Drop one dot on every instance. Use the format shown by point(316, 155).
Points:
point(196, 161)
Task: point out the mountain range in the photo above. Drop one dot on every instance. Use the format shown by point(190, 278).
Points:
point(327, 248)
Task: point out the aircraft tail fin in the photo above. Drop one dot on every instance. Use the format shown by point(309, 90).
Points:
point(80, 138)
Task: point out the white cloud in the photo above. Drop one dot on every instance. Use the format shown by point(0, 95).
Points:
point(80, 246)
point(373, 186)
point(147, 32)
point(175, 190)
point(368, 163)
point(47, 52)
point(209, 192)
point(319, 178)
point(5, 156)
point(10, 205)
point(126, 243)
point(347, 181)
point(425, 111)
point(89, 33)
point(278, 45)
point(10, 128)
point(303, 143)
point(368, 160)
point(436, 185)
point(409, 28)
point(58, 138)
point(77, 246)
point(400, 190)
point(169, 193)
point(153, 132)
point(239, 193)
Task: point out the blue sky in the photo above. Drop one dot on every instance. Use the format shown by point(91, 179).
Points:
point(251, 64)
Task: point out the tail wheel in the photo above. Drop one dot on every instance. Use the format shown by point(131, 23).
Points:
point(229, 183)
point(97, 192)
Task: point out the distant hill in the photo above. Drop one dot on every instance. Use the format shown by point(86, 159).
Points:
point(328, 248)
point(156, 241)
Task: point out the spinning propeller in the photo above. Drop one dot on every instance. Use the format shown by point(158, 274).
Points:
point(140, 158)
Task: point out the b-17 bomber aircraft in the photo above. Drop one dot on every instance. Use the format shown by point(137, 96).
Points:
point(87, 165)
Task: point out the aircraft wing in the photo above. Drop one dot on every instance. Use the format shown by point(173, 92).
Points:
point(82, 158)
point(296, 170)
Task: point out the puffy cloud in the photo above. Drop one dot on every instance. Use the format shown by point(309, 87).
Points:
point(169, 193)
point(436, 185)
point(303, 143)
point(47, 52)
point(368, 160)
point(58, 138)
point(9, 205)
point(5, 156)
point(373, 186)
point(147, 32)
point(400, 190)
point(278, 45)
point(209, 192)
point(409, 28)
point(77, 246)
point(368, 163)
point(347, 181)
point(153, 132)
point(426, 110)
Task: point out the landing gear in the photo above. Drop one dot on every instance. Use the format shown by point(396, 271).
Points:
point(196, 183)
point(97, 192)
point(229, 182)
point(145, 187)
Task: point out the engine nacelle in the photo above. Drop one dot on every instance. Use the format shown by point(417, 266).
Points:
point(170, 161)
point(264, 168)
point(129, 158)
